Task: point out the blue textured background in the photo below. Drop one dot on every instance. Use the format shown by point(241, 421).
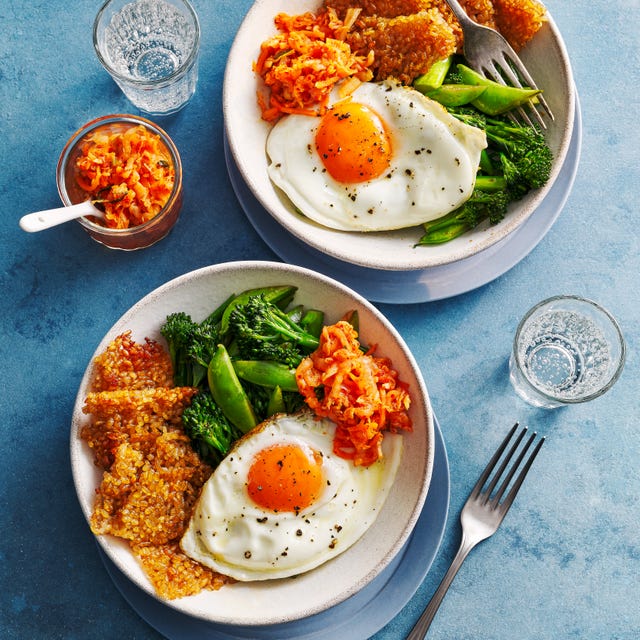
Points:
point(566, 562)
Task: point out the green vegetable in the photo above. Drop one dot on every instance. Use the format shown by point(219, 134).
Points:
point(276, 402)
point(312, 322)
point(516, 161)
point(278, 295)
point(228, 392)
point(191, 344)
point(480, 206)
point(177, 330)
point(204, 341)
point(211, 434)
point(433, 78)
point(490, 184)
point(496, 98)
point(262, 331)
point(455, 95)
point(266, 374)
point(243, 358)
point(296, 313)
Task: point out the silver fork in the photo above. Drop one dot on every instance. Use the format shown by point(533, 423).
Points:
point(492, 56)
point(483, 512)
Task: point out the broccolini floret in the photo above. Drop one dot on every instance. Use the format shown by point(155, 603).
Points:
point(518, 152)
point(211, 434)
point(204, 340)
point(191, 346)
point(262, 331)
point(480, 206)
point(178, 330)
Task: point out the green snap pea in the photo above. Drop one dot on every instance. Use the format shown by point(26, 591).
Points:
point(280, 295)
point(296, 313)
point(266, 373)
point(312, 322)
point(456, 95)
point(228, 393)
point(276, 402)
point(433, 78)
point(216, 315)
point(497, 98)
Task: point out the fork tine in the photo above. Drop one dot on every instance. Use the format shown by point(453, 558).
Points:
point(503, 66)
point(481, 42)
point(514, 466)
point(492, 463)
point(508, 70)
point(517, 64)
point(502, 468)
point(508, 501)
point(522, 112)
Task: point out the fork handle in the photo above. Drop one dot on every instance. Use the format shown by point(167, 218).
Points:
point(424, 621)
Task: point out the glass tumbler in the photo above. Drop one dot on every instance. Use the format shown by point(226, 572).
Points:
point(150, 48)
point(566, 350)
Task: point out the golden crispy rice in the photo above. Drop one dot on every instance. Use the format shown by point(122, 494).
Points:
point(152, 476)
point(126, 364)
point(408, 36)
point(136, 416)
point(175, 575)
point(404, 46)
point(150, 499)
point(519, 20)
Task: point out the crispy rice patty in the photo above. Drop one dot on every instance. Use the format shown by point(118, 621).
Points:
point(126, 364)
point(408, 36)
point(519, 20)
point(136, 416)
point(404, 46)
point(152, 476)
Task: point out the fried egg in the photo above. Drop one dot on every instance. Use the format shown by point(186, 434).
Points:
point(386, 157)
point(282, 503)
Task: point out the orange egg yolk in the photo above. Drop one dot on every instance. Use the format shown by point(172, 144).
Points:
point(285, 478)
point(353, 143)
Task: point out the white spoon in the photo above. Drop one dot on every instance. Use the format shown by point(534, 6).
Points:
point(51, 217)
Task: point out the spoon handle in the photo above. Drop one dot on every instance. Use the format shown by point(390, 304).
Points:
point(40, 220)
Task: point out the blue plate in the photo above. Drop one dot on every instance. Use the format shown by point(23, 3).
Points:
point(422, 285)
point(361, 616)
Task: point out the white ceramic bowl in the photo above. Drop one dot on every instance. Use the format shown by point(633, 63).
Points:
point(277, 601)
point(548, 62)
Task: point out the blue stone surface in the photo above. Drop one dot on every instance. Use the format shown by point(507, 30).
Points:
point(565, 563)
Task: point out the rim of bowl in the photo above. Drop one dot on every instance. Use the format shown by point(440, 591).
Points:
point(305, 231)
point(77, 137)
point(223, 269)
point(618, 332)
point(146, 83)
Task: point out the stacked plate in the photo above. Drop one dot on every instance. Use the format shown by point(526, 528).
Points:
point(387, 266)
point(403, 537)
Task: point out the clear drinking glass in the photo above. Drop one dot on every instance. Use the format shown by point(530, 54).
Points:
point(566, 350)
point(150, 48)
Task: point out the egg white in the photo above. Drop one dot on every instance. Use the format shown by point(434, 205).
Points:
point(432, 172)
point(231, 534)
